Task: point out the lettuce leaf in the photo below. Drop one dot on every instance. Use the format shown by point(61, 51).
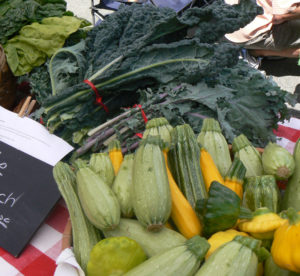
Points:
point(38, 41)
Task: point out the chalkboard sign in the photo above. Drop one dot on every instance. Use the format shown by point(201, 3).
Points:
point(28, 193)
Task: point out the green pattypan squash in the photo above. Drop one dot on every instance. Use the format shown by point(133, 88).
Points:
point(114, 256)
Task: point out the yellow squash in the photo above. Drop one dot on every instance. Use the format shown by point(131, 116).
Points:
point(182, 214)
point(234, 178)
point(209, 169)
point(221, 237)
point(285, 248)
point(115, 154)
point(262, 225)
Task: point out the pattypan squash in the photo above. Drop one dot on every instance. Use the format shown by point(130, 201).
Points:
point(285, 248)
point(262, 225)
point(114, 256)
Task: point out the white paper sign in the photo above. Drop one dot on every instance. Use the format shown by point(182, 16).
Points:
point(31, 137)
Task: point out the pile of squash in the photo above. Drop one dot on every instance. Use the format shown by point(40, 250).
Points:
point(184, 204)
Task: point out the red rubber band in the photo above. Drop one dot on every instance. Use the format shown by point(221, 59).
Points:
point(98, 97)
point(142, 111)
point(140, 135)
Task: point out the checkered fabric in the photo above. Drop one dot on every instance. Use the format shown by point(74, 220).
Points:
point(38, 258)
point(288, 133)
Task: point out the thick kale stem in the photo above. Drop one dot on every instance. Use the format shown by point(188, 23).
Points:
point(148, 67)
point(94, 141)
point(98, 73)
point(111, 122)
point(197, 115)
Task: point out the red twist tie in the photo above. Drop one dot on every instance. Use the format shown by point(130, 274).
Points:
point(140, 135)
point(142, 111)
point(98, 97)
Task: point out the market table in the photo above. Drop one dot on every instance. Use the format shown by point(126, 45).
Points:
point(40, 255)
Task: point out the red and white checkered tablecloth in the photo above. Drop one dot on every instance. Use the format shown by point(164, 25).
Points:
point(39, 257)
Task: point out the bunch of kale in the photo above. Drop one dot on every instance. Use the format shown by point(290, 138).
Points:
point(136, 47)
point(242, 100)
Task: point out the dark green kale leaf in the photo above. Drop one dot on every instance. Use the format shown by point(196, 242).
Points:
point(40, 84)
point(242, 100)
point(218, 18)
point(132, 28)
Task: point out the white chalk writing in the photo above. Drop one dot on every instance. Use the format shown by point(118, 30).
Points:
point(9, 199)
point(3, 166)
point(4, 221)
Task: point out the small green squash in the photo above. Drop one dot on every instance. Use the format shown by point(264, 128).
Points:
point(101, 164)
point(278, 161)
point(123, 184)
point(221, 210)
point(114, 256)
point(261, 191)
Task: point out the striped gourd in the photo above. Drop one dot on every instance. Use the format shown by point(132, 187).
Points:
point(184, 163)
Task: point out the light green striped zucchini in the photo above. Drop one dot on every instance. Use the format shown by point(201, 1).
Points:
point(249, 155)
point(182, 260)
point(159, 126)
point(236, 258)
point(98, 201)
point(212, 139)
point(151, 194)
point(151, 242)
point(84, 234)
point(101, 164)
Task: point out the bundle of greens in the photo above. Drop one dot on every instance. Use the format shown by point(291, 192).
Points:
point(242, 100)
point(142, 46)
point(14, 14)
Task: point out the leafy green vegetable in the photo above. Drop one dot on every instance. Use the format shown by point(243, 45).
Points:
point(38, 41)
point(141, 46)
point(14, 14)
point(66, 67)
point(251, 107)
